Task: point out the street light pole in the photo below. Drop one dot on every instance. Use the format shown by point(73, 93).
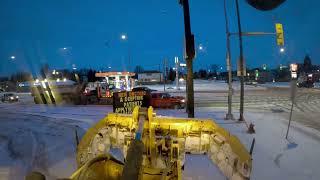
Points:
point(241, 118)
point(176, 60)
point(164, 74)
point(129, 58)
point(124, 37)
point(190, 53)
point(229, 115)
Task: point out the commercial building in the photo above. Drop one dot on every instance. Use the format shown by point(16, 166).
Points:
point(150, 77)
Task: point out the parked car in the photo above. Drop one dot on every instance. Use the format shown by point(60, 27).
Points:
point(142, 88)
point(305, 84)
point(306, 81)
point(9, 97)
point(251, 82)
point(165, 100)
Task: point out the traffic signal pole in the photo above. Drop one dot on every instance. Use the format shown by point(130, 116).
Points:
point(190, 53)
point(241, 118)
point(229, 115)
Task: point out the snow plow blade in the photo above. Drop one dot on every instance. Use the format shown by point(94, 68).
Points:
point(165, 142)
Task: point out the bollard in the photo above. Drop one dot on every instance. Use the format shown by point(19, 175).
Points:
point(251, 129)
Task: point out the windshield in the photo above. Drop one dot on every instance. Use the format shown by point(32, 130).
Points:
point(187, 89)
point(165, 95)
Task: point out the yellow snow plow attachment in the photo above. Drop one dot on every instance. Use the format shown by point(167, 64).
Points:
point(154, 147)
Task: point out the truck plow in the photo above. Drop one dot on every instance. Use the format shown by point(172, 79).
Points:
point(154, 147)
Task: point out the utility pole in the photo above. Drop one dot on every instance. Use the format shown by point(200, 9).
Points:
point(241, 118)
point(160, 73)
point(176, 60)
point(229, 115)
point(190, 53)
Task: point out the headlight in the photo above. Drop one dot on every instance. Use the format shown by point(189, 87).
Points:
point(183, 100)
point(11, 98)
point(17, 97)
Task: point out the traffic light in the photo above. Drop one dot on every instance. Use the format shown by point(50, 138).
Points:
point(279, 33)
point(264, 67)
point(265, 5)
point(256, 73)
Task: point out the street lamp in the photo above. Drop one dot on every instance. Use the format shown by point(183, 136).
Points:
point(200, 47)
point(64, 48)
point(123, 37)
point(281, 50)
point(12, 57)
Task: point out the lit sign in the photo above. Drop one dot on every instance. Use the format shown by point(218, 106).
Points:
point(125, 101)
point(294, 67)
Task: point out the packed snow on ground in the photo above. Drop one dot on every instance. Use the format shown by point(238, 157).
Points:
point(276, 84)
point(202, 85)
point(274, 157)
point(38, 137)
point(284, 84)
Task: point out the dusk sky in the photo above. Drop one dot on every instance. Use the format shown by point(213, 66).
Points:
point(36, 31)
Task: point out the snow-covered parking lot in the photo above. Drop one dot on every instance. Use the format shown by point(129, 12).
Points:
point(214, 85)
point(202, 86)
point(36, 137)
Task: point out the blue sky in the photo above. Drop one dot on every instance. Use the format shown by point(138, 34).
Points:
point(36, 31)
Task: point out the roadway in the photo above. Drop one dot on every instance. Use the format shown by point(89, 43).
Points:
point(272, 99)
